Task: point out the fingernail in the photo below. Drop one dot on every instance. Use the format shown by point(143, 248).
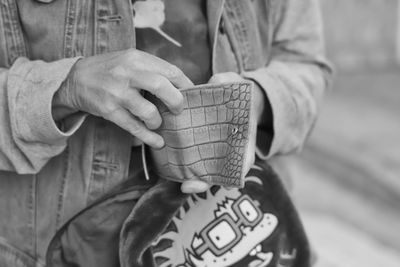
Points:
point(228, 188)
point(179, 111)
point(192, 187)
point(180, 106)
point(160, 143)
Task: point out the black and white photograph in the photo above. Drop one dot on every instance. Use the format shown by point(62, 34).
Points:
point(199, 133)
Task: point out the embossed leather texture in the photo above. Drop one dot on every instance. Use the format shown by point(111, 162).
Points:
point(209, 139)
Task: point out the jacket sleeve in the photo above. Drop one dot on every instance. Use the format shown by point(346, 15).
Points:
point(295, 79)
point(29, 136)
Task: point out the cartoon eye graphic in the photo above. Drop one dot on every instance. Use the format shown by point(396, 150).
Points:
point(248, 210)
point(222, 234)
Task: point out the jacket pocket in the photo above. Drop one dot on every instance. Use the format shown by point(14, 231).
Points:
point(91, 237)
point(10, 256)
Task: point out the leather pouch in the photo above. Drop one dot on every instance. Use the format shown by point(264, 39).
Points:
point(209, 139)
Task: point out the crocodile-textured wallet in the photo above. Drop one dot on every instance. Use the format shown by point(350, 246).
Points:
point(209, 139)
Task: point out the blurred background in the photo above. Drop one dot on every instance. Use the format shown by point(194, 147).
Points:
point(348, 176)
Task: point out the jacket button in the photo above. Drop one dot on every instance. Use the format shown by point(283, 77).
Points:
point(221, 27)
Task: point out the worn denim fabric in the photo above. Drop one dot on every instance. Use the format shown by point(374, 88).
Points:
point(50, 173)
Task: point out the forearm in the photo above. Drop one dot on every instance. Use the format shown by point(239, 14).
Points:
point(29, 136)
point(294, 80)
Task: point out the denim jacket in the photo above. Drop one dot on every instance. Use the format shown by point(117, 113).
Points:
point(49, 172)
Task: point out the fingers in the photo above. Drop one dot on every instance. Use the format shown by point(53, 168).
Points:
point(161, 87)
point(249, 162)
point(173, 74)
point(176, 76)
point(142, 108)
point(154, 75)
point(125, 120)
point(148, 63)
point(194, 186)
point(250, 154)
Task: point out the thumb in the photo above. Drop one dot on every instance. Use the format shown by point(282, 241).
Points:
point(194, 186)
point(225, 77)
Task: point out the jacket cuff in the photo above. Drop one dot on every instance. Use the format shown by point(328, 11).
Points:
point(31, 87)
point(284, 114)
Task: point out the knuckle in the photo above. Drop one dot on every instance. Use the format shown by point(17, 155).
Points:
point(108, 109)
point(131, 54)
point(126, 98)
point(118, 71)
point(135, 128)
point(218, 77)
point(158, 84)
point(133, 57)
point(118, 92)
point(149, 112)
point(174, 72)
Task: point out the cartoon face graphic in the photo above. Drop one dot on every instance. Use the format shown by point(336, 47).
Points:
point(229, 238)
point(220, 229)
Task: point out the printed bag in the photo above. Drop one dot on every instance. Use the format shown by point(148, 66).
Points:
point(253, 226)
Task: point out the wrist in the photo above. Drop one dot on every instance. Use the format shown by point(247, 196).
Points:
point(61, 105)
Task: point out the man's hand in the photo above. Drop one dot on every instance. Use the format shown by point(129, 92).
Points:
point(257, 110)
point(109, 86)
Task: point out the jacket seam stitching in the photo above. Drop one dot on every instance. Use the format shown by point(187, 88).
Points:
point(16, 45)
point(61, 193)
point(69, 24)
